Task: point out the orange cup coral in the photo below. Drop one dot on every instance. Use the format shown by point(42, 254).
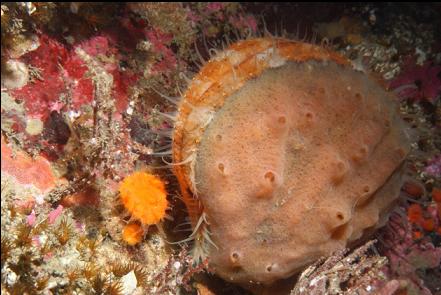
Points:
point(132, 234)
point(145, 197)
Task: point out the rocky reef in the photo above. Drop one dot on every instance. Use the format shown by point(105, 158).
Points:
point(115, 181)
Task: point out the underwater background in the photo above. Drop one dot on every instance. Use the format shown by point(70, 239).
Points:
point(89, 200)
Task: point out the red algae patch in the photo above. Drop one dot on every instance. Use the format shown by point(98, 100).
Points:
point(284, 153)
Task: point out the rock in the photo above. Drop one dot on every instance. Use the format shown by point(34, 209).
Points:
point(129, 283)
point(15, 74)
point(34, 126)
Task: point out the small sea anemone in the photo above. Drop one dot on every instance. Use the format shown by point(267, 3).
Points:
point(132, 234)
point(145, 197)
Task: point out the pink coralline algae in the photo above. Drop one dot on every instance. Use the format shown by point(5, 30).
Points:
point(161, 41)
point(65, 73)
point(39, 95)
point(407, 257)
point(244, 22)
point(193, 18)
point(215, 6)
point(433, 168)
point(418, 82)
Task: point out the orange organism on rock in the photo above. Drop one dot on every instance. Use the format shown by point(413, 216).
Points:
point(144, 196)
point(415, 213)
point(132, 234)
point(436, 195)
point(428, 224)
